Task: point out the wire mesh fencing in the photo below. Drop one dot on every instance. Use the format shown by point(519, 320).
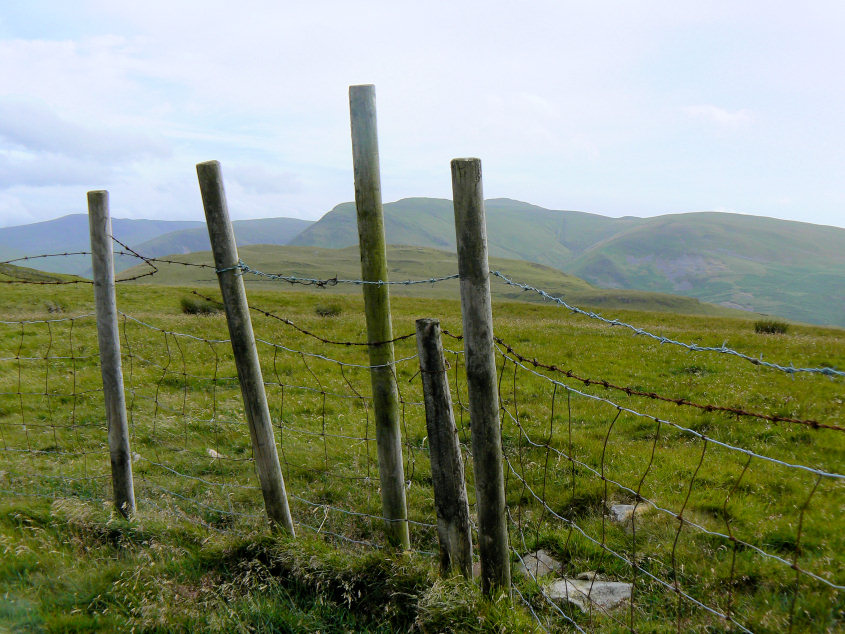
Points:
point(715, 516)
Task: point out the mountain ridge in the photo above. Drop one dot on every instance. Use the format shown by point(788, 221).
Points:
point(787, 268)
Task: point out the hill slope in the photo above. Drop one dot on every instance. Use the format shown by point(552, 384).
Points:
point(515, 229)
point(258, 231)
point(153, 238)
point(406, 262)
point(791, 269)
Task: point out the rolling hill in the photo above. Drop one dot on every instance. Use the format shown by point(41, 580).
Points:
point(790, 269)
point(153, 238)
point(408, 262)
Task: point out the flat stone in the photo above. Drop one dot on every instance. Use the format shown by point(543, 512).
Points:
point(623, 513)
point(538, 564)
point(582, 592)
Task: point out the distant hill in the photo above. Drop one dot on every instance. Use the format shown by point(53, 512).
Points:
point(153, 238)
point(259, 231)
point(790, 269)
point(406, 262)
point(515, 229)
point(13, 273)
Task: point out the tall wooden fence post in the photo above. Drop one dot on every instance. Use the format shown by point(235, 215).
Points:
point(447, 468)
point(476, 308)
point(362, 111)
point(226, 260)
point(108, 338)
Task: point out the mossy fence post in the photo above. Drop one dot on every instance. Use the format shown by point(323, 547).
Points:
point(477, 314)
point(108, 339)
point(226, 261)
point(447, 468)
point(365, 159)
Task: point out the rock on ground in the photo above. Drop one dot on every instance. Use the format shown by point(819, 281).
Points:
point(582, 592)
point(538, 564)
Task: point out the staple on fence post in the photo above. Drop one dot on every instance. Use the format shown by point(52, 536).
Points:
point(226, 260)
point(447, 469)
point(108, 339)
point(480, 363)
point(362, 111)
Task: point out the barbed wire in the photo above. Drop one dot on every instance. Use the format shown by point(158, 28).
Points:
point(243, 268)
point(307, 332)
point(630, 391)
point(193, 461)
point(693, 347)
point(679, 427)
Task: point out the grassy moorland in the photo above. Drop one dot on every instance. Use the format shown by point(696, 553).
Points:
point(198, 557)
point(414, 263)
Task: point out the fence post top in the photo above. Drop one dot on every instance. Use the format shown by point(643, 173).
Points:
point(362, 88)
point(208, 165)
point(465, 160)
point(427, 321)
point(98, 193)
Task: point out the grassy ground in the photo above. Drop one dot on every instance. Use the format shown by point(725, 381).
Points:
point(197, 557)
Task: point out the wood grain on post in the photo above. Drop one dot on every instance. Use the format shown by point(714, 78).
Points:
point(243, 344)
point(365, 160)
point(476, 309)
point(447, 468)
point(108, 338)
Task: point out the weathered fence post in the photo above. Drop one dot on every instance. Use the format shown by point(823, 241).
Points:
point(447, 468)
point(108, 338)
point(476, 309)
point(226, 260)
point(362, 111)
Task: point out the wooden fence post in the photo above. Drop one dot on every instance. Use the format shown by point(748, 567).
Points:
point(108, 338)
point(226, 260)
point(447, 468)
point(476, 309)
point(362, 111)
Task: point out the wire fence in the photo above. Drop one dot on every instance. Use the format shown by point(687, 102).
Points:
point(715, 515)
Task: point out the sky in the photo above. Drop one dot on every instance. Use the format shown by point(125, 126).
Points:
point(618, 108)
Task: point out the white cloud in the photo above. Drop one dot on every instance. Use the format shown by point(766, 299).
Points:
point(37, 128)
point(720, 116)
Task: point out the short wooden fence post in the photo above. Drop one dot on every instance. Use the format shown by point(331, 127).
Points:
point(447, 468)
point(477, 313)
point(108, 338)
point(362, 111)
point(226, 260)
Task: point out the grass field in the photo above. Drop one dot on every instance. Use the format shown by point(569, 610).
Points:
point(198, 556)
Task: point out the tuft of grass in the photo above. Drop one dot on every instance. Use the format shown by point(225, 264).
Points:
point(328, 310)
point(197, 306)
point(770, 327)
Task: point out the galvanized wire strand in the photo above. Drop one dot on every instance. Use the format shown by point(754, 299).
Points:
point(618, 556)
point(631, 391)
point(243, 268)
point(17, 322)
point(747, 452)
point(693, 347)
point(669, 512)
point(264, 342)
point(545, 596)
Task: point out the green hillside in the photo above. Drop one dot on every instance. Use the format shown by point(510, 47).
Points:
point(790, 269)
point(258, 231)
point(13, 273)
point(515, 229)
point(407, 262)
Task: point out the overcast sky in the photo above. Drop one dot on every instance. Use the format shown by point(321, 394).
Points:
point(619, 108)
